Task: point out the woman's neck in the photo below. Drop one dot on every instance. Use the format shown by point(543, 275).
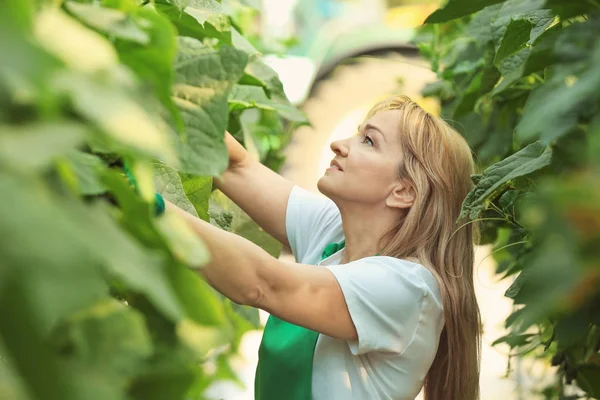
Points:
point(364, 227)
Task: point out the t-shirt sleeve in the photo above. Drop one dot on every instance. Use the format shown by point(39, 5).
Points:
point(387, 302)
point(309, 217)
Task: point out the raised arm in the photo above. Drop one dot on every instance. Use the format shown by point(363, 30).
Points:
point(260, 192)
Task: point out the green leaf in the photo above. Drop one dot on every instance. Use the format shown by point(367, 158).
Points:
point(516, 35)
point(197, 18)
point(548, 116)
point(184, 243)
point(514, 340)
point(168, 184)
point(153, 62)
point(240, 223)
point(24, 338)
point(588, 379)
point(201, 302)
point(47, 249)
point(458, 8)
point(530, 159)
point(260, 74)
point(104, 345)
point(203, 81)
point(111, 22)
point(514, 289)
point(198, 190)
point(189, 192)
point(528, 60)
point(78, 47)
point(480, 25)
point(219, 217)
point(118, 114)
point(245, 96)
point(87, 168)
point(144, 273)
point(35, 146)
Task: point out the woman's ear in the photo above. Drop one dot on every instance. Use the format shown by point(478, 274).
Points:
point(402, 196)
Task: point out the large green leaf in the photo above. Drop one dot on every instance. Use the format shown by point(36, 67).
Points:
point(458, 8)
point(204, 77)
point(530, 159)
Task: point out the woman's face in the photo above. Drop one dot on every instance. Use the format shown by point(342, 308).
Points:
point(364, 169)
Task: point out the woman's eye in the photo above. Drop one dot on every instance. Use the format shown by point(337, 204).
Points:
point(367, 139)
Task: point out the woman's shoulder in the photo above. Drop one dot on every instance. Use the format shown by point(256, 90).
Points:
point(412, 271)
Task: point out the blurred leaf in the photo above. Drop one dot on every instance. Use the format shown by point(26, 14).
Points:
point(185, 245)
point(104, 345)
point(200, 300)
point(153, 62)
point(78, 47)
point(458, 8)
point(116, 113)
point(588, 379)
point(114, 23)
point(87, 168)
point(36, 146)
point(202, 339)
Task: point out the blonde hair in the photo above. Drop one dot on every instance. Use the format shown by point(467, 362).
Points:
point(437, 162)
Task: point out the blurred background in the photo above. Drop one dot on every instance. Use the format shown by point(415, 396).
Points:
point(336, 58)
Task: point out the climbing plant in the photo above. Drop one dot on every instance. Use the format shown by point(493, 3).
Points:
point(96, 297)
point(521, 81)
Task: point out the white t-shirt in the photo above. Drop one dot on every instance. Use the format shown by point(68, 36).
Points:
point(394, 304)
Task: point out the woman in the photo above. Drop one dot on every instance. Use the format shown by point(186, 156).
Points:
point(381, 300)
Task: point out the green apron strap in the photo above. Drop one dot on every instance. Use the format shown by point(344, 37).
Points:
point(285, 356)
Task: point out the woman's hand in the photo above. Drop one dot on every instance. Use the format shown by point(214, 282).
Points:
point(238, 155)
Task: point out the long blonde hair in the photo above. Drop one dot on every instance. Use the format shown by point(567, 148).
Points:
point(438, 162)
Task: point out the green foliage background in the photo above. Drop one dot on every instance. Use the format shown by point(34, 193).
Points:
point(521, 81)
point(96, 297)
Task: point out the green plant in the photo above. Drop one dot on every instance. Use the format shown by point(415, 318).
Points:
point(96, 298)
point(521, 81)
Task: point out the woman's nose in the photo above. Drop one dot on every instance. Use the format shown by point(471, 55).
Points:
point(339, 147)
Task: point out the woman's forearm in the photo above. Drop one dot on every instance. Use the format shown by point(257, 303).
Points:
point(235, 261)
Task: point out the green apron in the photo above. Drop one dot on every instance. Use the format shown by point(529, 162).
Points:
point(285, 356)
